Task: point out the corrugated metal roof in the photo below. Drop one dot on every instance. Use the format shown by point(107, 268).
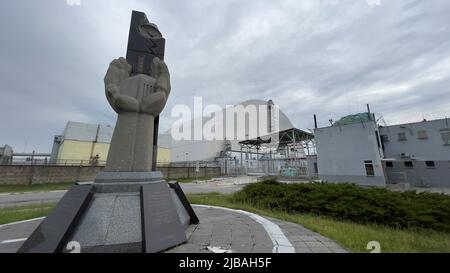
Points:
point(165, 141)
point(88, 132)
point(105, 134)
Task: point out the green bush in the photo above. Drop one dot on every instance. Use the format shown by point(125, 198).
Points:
point(354, 203)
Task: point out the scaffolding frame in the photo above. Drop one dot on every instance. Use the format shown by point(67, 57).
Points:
point(287, 142)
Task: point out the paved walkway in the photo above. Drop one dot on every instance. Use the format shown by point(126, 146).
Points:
point(307, 241)
point(12, 236)
point(241, 234)
point(221, 229)
point(225, 230)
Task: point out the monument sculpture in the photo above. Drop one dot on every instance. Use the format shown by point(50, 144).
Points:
point(137, 89)
point(138, 100)
point(129, 207)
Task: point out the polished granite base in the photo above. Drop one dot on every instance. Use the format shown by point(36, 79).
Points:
point(56, 228)
point(145, 214)
point(111, 221)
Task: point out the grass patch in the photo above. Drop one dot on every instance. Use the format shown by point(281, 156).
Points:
point(14, 214)
point(351, 235)
point(352, 203)
point(35, 187)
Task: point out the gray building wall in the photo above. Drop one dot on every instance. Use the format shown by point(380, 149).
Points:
point(416, 146)
point(418, 143)
point(419, 175)
point(343, 150)
point(196, 150)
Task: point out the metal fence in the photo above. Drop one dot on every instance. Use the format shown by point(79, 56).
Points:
point(96, 162)
point(286, 168)
point(60, 162)
point(266, 167)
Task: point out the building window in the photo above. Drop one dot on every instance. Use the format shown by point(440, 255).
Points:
point(409, 164)
point(401, 137)
point(389, 164)
point(385, 138)
point(430, 164)
point(445, 135)
point(422, 134)
point(316, 169)
point(369, 168)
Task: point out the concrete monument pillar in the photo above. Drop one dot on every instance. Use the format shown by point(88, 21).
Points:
point(137, 89)
point(129, 207)
point(138, 100)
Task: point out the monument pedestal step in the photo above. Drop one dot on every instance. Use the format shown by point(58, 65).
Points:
point(137, 215)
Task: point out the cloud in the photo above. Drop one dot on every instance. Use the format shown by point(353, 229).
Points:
point(326, 57)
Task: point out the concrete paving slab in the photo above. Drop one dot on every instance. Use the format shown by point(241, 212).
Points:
point(234, 231)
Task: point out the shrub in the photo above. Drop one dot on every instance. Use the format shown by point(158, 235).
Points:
point(354, 203)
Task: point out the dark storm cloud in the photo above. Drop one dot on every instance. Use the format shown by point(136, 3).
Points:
point(325, 57)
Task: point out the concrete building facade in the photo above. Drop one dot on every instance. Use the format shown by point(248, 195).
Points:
point(350, 153)
point(364, 153)
point(417, 153)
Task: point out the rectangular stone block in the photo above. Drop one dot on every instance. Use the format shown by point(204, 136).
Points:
point(162, 228)
point(57, 226)
point(184, 201)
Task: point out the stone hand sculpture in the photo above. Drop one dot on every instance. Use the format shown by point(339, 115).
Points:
point(151, 103)
point(138, 100)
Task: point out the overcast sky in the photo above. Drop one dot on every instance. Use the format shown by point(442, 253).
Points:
point(329, 57)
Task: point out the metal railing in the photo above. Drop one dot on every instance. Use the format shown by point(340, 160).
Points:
point(266, 167)
point(101, 163)
point(59, 162)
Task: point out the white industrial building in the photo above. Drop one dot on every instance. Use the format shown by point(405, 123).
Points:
point(279, 150)
point(210, 150)
point(417, 153)
point(358, 150)
point(350, 153)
